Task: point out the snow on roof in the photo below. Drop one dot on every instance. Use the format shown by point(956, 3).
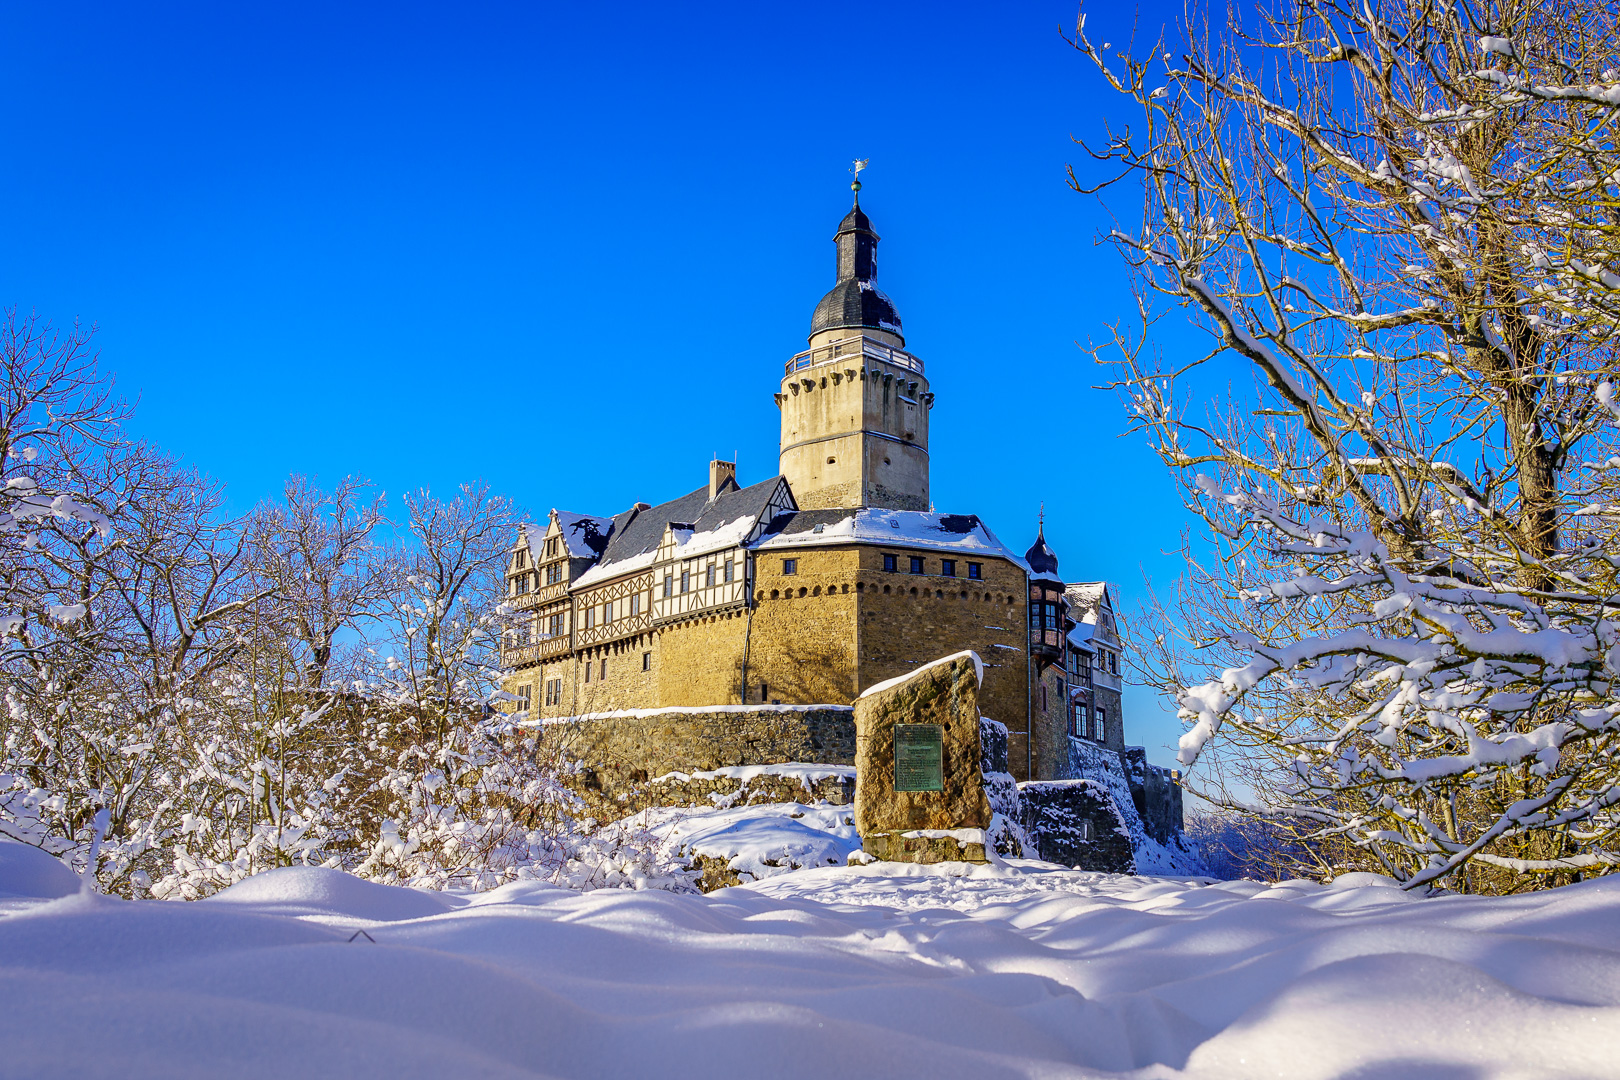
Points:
point(585, 535)
point(893, 528)
point(1086, 597)
point(532, 535)
point(701, 525)
point(1080, 637)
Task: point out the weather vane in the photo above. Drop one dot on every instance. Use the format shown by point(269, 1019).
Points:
point(855, 185)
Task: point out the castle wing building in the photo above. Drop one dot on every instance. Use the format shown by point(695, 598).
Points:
point(808, 587)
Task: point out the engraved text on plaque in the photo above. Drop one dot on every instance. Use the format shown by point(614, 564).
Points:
point(919, 757)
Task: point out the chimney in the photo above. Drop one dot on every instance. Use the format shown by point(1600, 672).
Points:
point(719, 473)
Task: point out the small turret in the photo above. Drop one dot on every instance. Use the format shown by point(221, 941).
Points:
point(1047, 617)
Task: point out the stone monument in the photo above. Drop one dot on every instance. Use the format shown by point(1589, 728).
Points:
point(919, 795)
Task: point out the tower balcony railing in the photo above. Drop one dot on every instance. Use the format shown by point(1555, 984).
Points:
point(844, 349)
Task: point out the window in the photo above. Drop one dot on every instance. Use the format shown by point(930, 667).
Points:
point(551, 547)
point(587, 672)
point(635, 603)
point(764, 692)
point(669, 584)
point(646, 661)
point(708, 577)
point(1043, 697)
point(1100, 731)
point(729, 568)
point(554, 573)
point(520, 559)
point(686, 580)
point(525, 698)
point(521, 584)
point(554, 692)
point(790, 566)
point(554, 625)
point(975, 570)
point(590, 616)
point(947, 567)
point(890, 563)
point(604, 669)
point(916, 564)
point(607, 612)
point(1113, 662)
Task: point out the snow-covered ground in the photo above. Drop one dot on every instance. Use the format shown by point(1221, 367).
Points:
point(1022, 970)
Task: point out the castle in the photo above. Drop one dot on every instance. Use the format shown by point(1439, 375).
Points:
point(819, 582)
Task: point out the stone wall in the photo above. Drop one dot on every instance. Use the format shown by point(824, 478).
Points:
point(1049, 713)
point(802, 646)
point(618, 755)
point(1075, 823)
point(699, 661)
point(907, 620)
point(1156, 792)
point(787, 782)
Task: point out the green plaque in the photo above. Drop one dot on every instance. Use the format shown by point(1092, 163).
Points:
point(919, 757)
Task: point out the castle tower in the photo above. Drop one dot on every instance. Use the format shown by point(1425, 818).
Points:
point(855, 404)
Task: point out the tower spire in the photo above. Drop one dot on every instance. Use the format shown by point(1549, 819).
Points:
point(854, 301)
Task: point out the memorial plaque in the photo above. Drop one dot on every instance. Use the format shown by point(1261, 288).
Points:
point(919, 757)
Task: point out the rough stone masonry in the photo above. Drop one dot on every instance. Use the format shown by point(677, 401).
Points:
point(922, 826)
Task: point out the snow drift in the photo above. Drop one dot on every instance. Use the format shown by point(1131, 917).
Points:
point(1022, 970)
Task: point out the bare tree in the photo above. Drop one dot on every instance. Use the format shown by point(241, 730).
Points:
point(320, 551)
point(1400, 218)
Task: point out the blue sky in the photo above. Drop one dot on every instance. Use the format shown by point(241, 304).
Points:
point(566, 248)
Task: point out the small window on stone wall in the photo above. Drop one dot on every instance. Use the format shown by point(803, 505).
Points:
point(891, 563)
point(947, 567)
point(916, 565)
point(975, 570)
point(790, 566)
point(646, 661)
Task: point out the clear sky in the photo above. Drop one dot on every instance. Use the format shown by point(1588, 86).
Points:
point(567, 248)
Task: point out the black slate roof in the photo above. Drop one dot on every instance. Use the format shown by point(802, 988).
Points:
point(638, 533)
point(853, 303)
point(1041, 558)
point(801, 521)
point(856, 301)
